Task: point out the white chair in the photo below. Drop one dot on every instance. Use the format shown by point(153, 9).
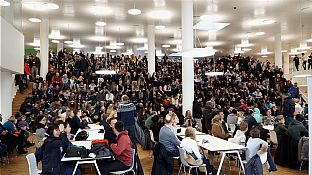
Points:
point(131, 169)
point(152, 137)
point(185, 164)
point(273, 137)
point(32, 164)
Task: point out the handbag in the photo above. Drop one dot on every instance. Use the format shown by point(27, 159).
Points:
point(76, 151)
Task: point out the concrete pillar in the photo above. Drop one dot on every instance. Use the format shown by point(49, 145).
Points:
point(6, 94)
point(309, 82)
point(187, 62)
point(286, 63)
point(278, 50)
point(151, 49)
point(59, 46)
point(44, 47)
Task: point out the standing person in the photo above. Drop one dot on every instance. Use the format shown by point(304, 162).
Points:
point(295, 91)
point(304, 61)
point(310, 62)
point(127, 113)
point(75, 122)
point(296, 60)
point(288, 108)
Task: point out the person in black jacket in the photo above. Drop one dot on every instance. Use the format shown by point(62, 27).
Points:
point(109, 133)
point(51, 161)
point(288, 108)
point(75, 122)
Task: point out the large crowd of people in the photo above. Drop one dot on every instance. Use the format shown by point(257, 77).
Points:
point(249, 95)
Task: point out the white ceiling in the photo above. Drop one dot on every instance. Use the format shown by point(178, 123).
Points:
point(76, 18)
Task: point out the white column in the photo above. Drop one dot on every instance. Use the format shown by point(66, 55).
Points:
point(286, 63)
point(151, 48)
point(6, 94)
point(278, 50)
point(44, 47)
point(187, 62)
point(59, 46)
point(309, 82)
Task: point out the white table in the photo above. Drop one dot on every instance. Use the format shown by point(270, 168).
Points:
point(95, 127)
point(182, 133)
point(93, 134)
point(223, 146)
point(80, 160)
point(268, 127)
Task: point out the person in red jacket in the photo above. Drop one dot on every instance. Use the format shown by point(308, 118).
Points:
point(122, 150)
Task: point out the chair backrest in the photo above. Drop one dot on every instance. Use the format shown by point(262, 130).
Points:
point(232, 127)
point(182, 158)
point(133, 160)
point(32, 164)
point(303, 149)
point(152, 136)
point(273, 137)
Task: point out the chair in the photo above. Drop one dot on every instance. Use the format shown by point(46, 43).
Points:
point(32, 164)
point(303, 150)
point(152, 137)
point(232, 127)
point(185, 164)
point(273, 138)
point(131, 169)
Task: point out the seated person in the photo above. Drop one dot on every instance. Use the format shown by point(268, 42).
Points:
point(75, 122)
point(52, 155)
point(3, 151)
point(12, 132)
point(122, 150)
point(239, 137)
point(109, 133)
point(158, 122)
point(217, 129)
point(255, 145)
point(168, 138)
point(280, 128)
point(41, 130)
point(189, 144)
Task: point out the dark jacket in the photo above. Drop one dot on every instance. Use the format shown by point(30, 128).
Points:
point(127, 113)
point(295, 131)
point(75, 124)
point(254, 165)
point(289, 107)
point(51, 161)
point(109, 134)
point(280, 130)
point(163, 163)
point(197, 111)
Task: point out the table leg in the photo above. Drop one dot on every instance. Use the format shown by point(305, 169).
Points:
point(240, 161)
point(75, 168)
point(221, 162)
point(97, 168)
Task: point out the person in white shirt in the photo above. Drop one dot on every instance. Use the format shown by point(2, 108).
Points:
point(298, 107)
point(239, 137)
point(255, 145)
point(193, 156)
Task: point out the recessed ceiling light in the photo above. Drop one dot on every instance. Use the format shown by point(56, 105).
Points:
point(160, 14)
point(284, 51)
point(268, 21)
point(165, 46)
point(138, 40)
point(205, 25)
point(264, 56)
point(113, 51)
point(100, 23)
point(68, 42)
point(160, 27)
point(4, 3)
point(260, 33)
point(113, 47)
point(134, 11)
point(37, 48)
point(120, 44)
point(34, 20)
point(41, 6)
point(246, 49)
point(55, 41)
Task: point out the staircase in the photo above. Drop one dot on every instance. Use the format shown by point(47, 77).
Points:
point(20, 98)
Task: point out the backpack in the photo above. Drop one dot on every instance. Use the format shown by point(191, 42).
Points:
point(76, 151)
point(147, 144)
